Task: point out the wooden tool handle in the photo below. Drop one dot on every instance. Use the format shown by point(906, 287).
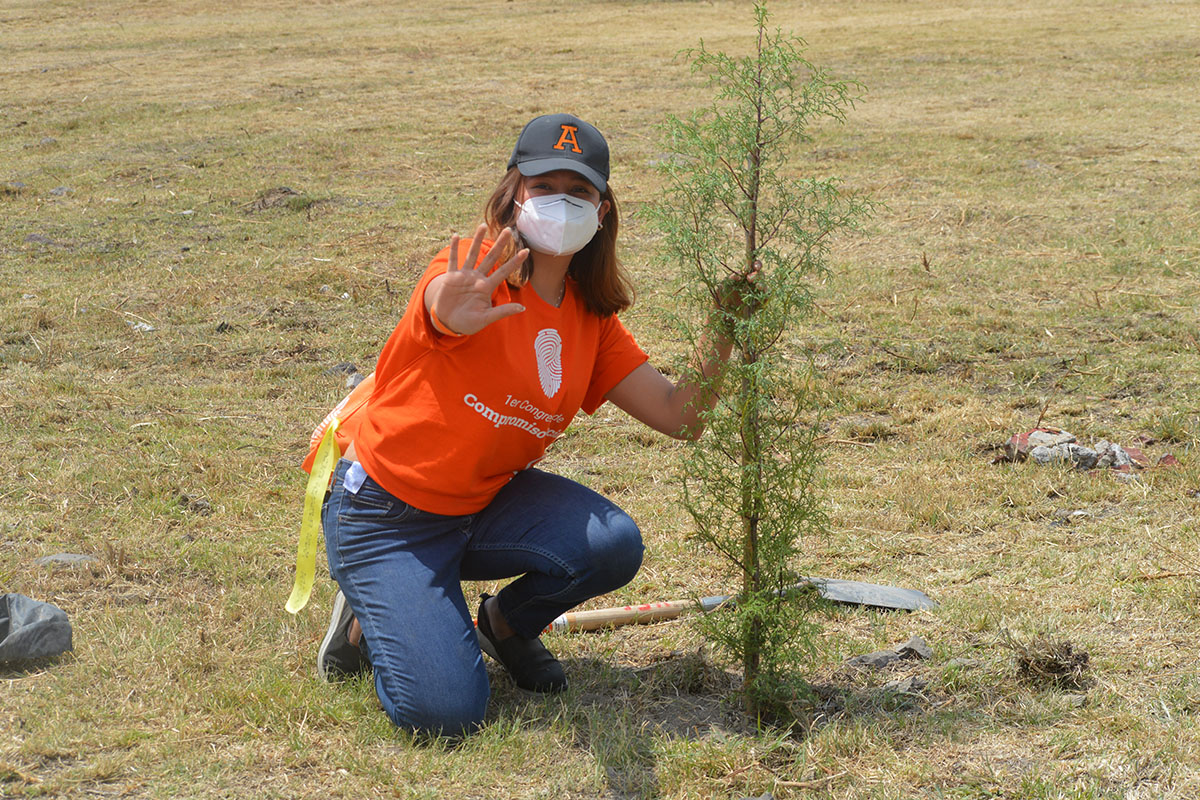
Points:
point(624, 615)
point(633, 615)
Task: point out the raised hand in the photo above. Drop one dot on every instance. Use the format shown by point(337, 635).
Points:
point(461, 299)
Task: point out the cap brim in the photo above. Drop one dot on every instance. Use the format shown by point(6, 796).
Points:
point(541, 166)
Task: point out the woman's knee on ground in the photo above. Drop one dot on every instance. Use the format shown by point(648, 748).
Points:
point(453, 708)
point(442, 721)
point(616, 550)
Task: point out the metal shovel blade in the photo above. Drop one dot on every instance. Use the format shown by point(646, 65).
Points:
point(871, 594)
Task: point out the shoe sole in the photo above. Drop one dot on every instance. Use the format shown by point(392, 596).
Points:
point(485, 644)
point(485, 641)
point(335, 618)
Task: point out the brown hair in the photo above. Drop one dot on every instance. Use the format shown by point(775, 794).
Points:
point(602, 281)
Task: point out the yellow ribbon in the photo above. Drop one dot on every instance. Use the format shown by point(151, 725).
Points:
point(327, 457)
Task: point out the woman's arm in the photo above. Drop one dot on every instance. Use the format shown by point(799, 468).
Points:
point(672, 408)
point(677, 409)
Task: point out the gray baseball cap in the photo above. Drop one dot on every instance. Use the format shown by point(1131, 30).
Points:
point(562, 141)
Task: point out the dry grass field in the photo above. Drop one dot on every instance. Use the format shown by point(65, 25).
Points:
point(170, 316)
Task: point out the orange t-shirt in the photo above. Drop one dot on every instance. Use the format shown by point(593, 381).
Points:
point(452, 419)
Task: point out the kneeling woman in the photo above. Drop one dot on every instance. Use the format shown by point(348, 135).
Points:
point(504, 340)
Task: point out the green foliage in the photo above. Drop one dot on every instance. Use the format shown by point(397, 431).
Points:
point(749, 237)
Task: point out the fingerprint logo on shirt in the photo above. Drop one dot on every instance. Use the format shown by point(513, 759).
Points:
point(548, 348)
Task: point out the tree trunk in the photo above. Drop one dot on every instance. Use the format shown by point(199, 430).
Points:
point(750, 512)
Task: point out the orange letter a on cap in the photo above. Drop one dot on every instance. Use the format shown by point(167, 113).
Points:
point(568, 138)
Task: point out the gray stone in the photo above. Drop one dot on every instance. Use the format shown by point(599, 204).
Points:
point(66, 559)
point(915, 647)
point(354, 379)
point(60, 191)
point(1064, 452)
point(1040, 454)
point(1084, 457)
point(344, 368)
point(909, 685)
point(876, 660)
point(1111, 454)
point(964, 663)
point(1047, 439)
point(1046, 455)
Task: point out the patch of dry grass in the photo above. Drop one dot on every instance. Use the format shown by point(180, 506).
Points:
point(1037, 255)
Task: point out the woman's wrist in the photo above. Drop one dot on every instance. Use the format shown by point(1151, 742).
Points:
point(442, 327)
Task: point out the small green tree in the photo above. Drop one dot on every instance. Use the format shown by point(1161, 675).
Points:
point(740, 224)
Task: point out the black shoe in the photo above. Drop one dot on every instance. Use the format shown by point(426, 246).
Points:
point(530, 664)
point(337, 659)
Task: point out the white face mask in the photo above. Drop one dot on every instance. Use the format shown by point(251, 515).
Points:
point(557, 224)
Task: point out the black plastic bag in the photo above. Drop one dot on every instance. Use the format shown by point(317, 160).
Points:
point(30, 629)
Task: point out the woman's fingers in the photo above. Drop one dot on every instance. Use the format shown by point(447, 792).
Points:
point(500, 312)
point(476, 241)
point(452, 265)
point(493, 254)
point(507, 269)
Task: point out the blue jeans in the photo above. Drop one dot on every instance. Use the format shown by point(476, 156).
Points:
point(400, 569)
